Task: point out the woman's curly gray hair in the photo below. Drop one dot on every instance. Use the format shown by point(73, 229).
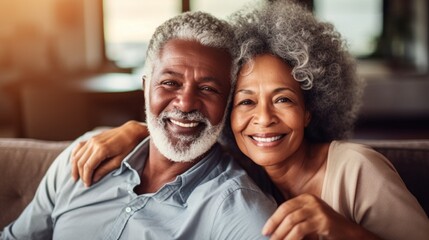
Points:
point(317, 55)
point(194, 26)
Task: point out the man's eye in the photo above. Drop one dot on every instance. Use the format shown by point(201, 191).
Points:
point(209, 89)
point(169, 83)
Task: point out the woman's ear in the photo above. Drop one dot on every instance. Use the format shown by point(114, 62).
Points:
point(307, 118)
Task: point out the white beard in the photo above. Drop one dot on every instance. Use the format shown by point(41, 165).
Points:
point(188, 147)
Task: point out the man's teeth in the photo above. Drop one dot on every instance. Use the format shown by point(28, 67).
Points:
point(186, 125)
point(269, 139)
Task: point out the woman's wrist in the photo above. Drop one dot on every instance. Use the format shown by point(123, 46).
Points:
point(137, 129)
point(359, 232)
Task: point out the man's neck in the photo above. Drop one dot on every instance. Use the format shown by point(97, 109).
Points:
point(159, 170)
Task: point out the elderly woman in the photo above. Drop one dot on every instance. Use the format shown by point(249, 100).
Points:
point(296, 98)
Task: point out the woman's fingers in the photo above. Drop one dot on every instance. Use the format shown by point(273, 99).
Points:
point(84, 158)
point(296, 218)
point(295, 225)
point(88, 167)
point(106, 167)
point(77, 152)
point(279, 216)
point(303, 229)
point(111, 144)
point(307, 216)
point(286, 226)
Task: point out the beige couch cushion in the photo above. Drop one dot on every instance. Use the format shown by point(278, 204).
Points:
point(23, 162)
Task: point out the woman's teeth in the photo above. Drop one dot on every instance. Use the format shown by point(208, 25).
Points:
point(267, 139)
point(185, 125)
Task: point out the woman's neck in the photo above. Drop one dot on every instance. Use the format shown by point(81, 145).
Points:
point(303, 172)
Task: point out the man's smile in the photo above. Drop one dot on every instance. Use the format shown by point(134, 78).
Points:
point(184, 124)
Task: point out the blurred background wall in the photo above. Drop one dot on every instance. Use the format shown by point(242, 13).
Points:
point(68, 66)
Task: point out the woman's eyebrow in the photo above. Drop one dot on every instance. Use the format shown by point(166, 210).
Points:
point(283, 89)
point(245, 91)
point(277, 90)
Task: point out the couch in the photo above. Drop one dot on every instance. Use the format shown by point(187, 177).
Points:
point(23, 163)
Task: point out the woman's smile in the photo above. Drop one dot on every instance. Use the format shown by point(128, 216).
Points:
point(267, 140)
point(268, 115)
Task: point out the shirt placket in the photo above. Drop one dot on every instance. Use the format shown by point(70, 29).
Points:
point(124, 216)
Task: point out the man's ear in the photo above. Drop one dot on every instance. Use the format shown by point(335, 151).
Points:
point(307, 118)
point(143, 81)
point(145, 91)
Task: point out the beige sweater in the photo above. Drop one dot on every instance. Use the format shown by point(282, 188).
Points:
point(362, 185)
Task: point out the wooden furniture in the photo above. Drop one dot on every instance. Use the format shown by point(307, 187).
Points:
point(65, 110)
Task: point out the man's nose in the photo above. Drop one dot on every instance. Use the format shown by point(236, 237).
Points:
point(188, 100)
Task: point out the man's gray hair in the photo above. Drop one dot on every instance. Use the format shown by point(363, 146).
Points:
point(194, 26)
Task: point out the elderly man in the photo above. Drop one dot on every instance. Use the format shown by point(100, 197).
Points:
point(177, 184)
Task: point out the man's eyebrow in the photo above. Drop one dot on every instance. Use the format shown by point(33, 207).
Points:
point(171, 72)
point(202, 79)
point(209, 79)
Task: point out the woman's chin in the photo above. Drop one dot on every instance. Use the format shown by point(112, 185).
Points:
point(264, 159)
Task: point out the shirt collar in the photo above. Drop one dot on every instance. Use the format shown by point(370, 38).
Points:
point(177, 191)
point(136, 158)
point(200, 172)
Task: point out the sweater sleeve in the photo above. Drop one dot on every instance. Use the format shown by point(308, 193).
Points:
point(364, 186)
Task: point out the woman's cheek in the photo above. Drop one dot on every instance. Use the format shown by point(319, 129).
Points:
point(236, 124)
point(239, 123)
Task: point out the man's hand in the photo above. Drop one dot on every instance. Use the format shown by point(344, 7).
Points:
point(93, 159)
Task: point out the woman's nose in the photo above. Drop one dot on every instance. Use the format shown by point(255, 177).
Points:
point(264, 115)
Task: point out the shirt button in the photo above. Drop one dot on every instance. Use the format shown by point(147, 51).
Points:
point(128, 209)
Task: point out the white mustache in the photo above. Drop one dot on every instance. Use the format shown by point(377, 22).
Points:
point(177, 114)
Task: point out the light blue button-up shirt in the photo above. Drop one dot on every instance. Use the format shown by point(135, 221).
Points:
point(215, 199)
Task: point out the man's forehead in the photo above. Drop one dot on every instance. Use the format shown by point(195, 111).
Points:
point(178, 53)
point(184, 45)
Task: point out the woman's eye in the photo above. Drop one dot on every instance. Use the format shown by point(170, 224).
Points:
point(283, 100)
point(245, 102)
